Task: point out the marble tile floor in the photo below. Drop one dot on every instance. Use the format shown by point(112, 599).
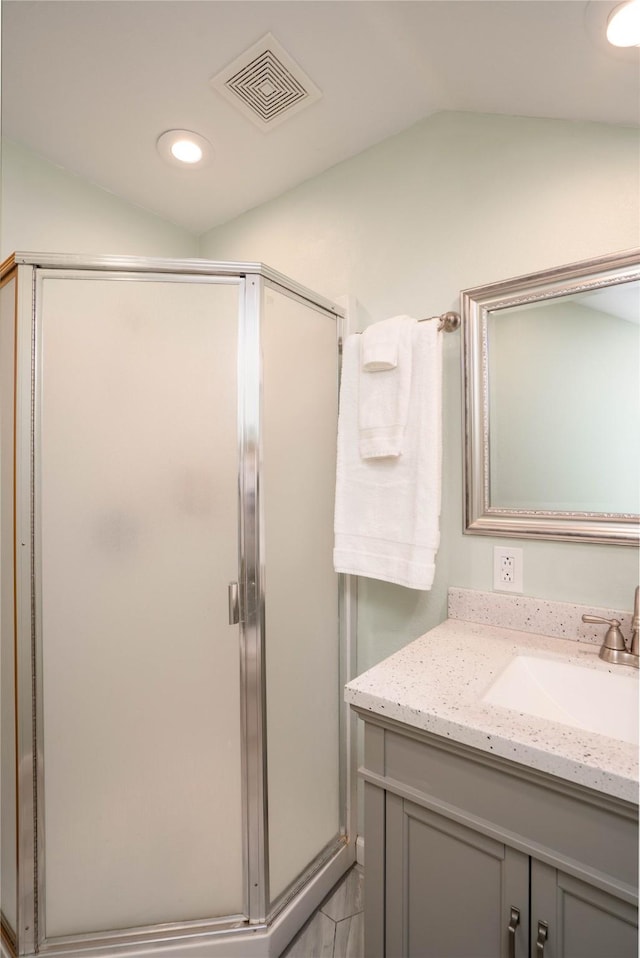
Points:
point(336, 929)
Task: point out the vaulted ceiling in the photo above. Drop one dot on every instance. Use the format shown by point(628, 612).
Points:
point(91, 84)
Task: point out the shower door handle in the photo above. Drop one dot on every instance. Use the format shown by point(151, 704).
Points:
point(234, 603)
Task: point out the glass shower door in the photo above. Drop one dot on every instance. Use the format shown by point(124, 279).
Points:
point(137, 467)
point(302, 638)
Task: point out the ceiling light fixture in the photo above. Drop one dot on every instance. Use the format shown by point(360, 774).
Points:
point(184, 148)
point(187, 151)
point(623, 26)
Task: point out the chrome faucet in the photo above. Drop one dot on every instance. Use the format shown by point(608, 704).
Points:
point(614, 648)
point(635, 625)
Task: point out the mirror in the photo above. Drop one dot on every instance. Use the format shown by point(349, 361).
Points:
point(552, 403)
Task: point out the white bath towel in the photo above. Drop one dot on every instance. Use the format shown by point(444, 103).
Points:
point(385, 382)
point(387, 511)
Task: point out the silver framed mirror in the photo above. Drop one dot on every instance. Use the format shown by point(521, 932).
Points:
point(551, 373)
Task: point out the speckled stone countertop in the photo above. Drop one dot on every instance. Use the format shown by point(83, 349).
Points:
point(437, 682)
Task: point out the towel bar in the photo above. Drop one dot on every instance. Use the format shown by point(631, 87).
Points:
point(448, 322)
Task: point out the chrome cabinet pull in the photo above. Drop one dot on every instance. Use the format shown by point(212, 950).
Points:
point(543, 934)
point(234, 604)
point(514, 921)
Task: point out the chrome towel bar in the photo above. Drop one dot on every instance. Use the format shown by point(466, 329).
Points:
point(447, 322)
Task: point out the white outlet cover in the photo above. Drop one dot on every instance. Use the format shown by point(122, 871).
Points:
point(512, 582)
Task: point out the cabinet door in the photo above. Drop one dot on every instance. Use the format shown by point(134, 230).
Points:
point(450, 889)
point(582, 921)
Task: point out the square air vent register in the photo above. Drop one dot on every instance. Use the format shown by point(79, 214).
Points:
point(266, 84)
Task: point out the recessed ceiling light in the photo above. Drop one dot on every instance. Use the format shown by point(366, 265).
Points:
point(623, 27)
point(187, 151)
point(184, 148)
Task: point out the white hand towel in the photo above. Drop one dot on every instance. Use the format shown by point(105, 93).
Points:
point(380, 342)
point(387, 511)
point(385, 353)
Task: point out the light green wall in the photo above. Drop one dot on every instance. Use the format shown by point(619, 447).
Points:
point(457, 201)
point(46, 209)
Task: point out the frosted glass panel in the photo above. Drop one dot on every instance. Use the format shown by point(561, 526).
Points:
point(302, 651)
point(8, 865)
point(138, 523)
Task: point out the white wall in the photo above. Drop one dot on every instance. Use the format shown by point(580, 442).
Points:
point(457, 201)
point(46, 209)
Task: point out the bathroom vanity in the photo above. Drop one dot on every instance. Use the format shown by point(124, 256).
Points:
point(490, 831)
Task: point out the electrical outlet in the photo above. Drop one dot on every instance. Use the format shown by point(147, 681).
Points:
point(507, 569)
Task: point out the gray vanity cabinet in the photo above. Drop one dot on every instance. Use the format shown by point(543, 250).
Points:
point(451, 886)
point(472, 856)
point(584, 921)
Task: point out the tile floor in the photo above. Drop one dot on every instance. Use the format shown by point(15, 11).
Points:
point(336, 930)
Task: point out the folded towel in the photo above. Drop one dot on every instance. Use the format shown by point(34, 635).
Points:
point(387, 511)
point(385, 353)
point(380, 343)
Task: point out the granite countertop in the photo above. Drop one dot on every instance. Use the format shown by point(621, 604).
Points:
point(437, 682)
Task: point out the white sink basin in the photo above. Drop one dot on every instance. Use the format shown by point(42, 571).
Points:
point(591, 699)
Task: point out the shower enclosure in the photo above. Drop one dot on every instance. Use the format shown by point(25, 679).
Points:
point(174, 638)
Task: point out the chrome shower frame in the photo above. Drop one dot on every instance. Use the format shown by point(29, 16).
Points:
point(266, 926)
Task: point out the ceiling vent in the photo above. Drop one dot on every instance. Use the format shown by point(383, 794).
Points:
point(266, 84)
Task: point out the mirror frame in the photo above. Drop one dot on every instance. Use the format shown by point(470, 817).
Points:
point(480, 517)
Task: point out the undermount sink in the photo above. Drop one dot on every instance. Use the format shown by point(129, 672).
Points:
point(591, 699)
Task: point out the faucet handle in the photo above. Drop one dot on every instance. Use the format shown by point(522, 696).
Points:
point(614, 638)
point(635, 624)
